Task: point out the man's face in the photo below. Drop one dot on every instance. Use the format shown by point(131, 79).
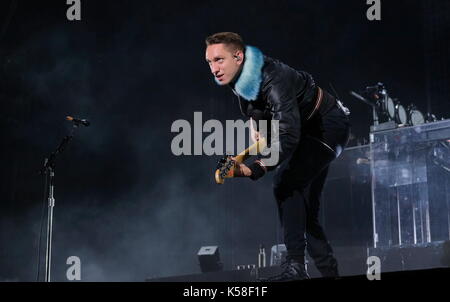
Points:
point(224, 62)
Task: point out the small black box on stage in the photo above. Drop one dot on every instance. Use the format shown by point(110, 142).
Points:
point(209, 259)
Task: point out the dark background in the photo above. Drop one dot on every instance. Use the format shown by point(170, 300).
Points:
point(125, 204)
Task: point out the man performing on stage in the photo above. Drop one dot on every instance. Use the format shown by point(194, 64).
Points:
point(313, 130)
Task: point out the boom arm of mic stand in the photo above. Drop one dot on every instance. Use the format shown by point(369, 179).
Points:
point(360, 97)
point(50, 161)
point(374, 106)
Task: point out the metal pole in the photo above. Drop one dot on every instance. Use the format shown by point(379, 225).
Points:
point(51, 204)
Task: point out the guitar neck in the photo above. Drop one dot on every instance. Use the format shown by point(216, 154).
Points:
point(254, 149)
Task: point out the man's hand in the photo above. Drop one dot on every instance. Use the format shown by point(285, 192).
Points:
point(254, 135)
point(241, 170)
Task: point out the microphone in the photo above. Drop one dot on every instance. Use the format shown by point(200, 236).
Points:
point(77, 121)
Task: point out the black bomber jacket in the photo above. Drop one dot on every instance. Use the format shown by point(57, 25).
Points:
point(268, 90)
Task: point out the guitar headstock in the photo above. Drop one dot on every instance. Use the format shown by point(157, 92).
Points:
point(227, 164)
point(225, 169)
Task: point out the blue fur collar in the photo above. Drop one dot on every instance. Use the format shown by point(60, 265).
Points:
point(249, 81)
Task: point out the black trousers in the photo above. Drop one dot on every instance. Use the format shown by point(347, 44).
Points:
point(298, 185)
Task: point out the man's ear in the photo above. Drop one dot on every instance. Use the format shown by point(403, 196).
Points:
point(239, 56)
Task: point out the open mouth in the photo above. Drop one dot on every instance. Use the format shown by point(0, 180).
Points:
point(219, 77)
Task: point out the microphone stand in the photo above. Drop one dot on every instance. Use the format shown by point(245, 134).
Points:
point(49, 171)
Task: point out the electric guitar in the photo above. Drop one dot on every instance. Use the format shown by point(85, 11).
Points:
point(226, 165)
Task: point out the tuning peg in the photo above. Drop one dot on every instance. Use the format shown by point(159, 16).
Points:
point(221, 162)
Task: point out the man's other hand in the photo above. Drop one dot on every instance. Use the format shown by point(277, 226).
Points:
point(241, 170)
point(254, 135)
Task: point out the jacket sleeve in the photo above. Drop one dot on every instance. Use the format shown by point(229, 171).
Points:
point(282, 99)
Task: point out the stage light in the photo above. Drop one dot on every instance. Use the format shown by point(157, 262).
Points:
point(400, 114)
point(415, 117)
point(390, 108)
